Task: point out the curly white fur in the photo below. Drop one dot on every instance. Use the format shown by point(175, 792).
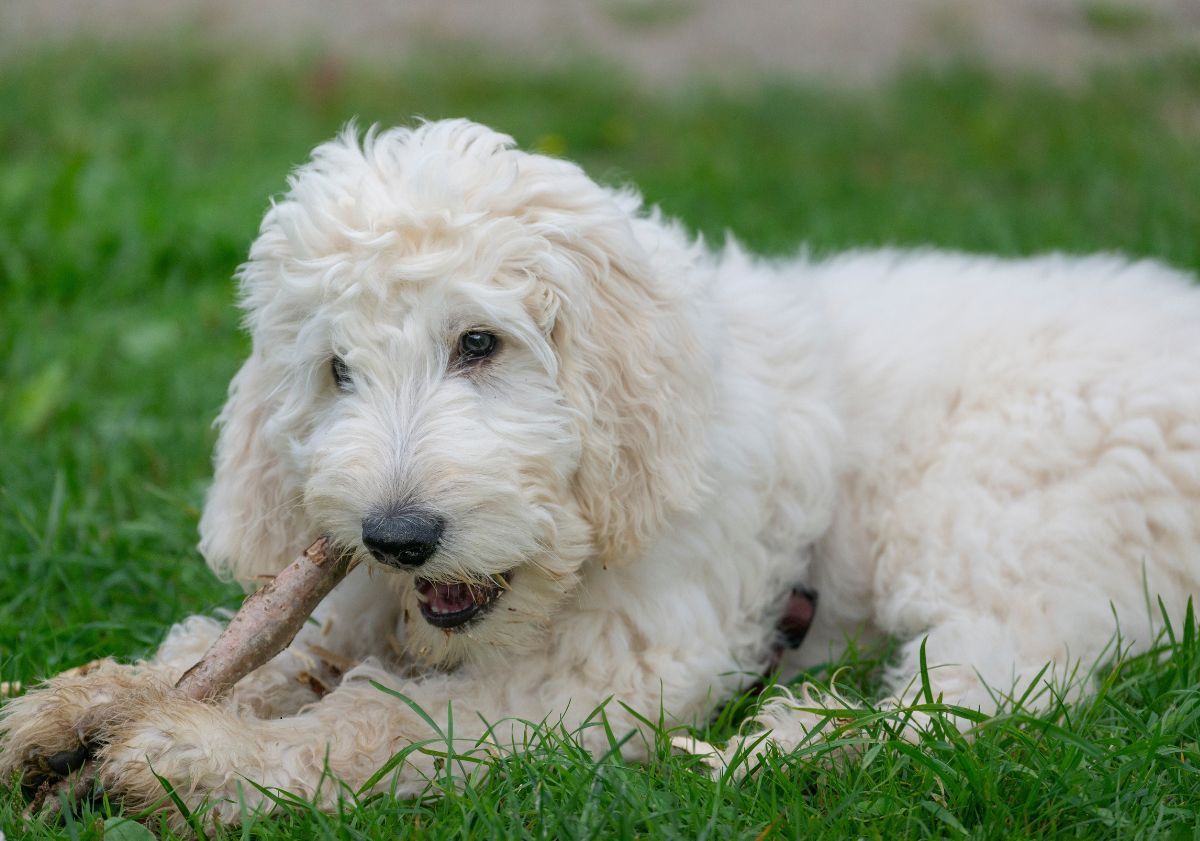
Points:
point(1000, 458)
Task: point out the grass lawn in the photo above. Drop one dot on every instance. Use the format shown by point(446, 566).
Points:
point(132, 184)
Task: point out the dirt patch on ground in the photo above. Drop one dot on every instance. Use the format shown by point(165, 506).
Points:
point(661, 42)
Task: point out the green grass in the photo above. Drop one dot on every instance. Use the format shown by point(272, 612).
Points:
point(131, 185)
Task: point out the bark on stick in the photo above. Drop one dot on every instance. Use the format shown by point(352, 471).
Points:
point(264, 625)
point(267, 621)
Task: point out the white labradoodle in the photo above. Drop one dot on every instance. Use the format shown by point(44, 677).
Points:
point(591, 458)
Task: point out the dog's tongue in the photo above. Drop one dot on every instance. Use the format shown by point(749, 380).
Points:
point(447, 598)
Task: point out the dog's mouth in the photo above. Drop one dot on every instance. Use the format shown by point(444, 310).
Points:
point(451, 606)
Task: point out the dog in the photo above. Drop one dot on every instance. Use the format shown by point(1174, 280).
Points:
point(584, 459)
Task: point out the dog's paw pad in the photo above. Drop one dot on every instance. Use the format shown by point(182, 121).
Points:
point(65, 761)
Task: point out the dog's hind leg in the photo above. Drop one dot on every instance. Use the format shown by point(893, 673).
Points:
point(960, 671)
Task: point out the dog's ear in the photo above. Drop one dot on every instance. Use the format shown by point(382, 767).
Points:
point(631, 365)
point(250, 525)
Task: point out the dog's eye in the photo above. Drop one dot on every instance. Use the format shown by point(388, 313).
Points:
point(474, 345)
point(341, 374)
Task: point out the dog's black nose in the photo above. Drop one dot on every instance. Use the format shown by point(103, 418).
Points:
point(402, 538)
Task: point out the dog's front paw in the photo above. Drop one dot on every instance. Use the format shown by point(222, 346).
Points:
point(53, 729)
point(174, 749)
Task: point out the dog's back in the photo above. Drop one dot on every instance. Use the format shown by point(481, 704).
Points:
point(1023, 462)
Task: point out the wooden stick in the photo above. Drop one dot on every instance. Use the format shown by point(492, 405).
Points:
point(264, 625)
point(267, 621)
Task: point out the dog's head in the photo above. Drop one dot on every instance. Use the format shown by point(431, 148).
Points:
point(473, 365)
